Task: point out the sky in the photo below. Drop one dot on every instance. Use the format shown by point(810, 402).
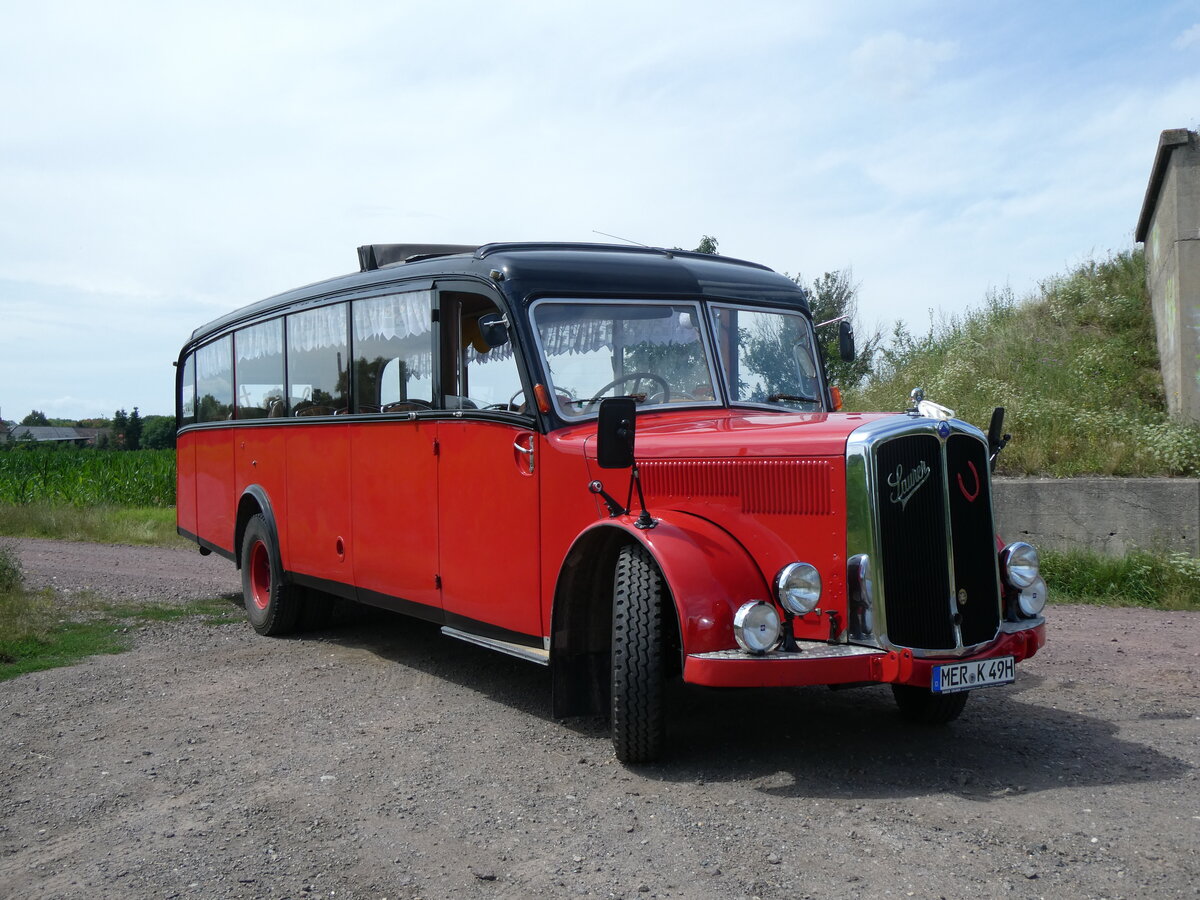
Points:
point(164, 163)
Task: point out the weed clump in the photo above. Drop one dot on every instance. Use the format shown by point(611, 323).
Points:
point(1075, 366)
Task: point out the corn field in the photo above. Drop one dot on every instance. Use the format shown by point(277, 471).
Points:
point(75, 477)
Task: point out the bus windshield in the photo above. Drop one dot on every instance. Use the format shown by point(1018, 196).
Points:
point(768, 356)
point(661, 354)
point(653, 352)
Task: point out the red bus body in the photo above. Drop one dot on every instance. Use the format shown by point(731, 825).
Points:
point(485, 518)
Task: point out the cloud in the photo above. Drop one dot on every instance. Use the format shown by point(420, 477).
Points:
point(899, 65)
point(1187, 38)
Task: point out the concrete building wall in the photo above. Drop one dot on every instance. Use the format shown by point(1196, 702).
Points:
point(1170, 228)
point(1107, 515)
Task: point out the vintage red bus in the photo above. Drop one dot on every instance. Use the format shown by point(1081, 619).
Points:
point(457, 433)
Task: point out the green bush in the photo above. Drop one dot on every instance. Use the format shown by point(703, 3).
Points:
point(10, 572)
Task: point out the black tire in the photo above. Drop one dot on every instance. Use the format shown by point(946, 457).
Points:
point(638, 727)
point(272, 605)
point(924, 707)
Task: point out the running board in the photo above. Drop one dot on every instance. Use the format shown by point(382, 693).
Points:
point(531, 654)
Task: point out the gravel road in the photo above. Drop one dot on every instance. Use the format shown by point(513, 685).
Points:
point(380, 759)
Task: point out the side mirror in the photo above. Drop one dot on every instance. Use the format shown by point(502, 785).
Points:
point(996, 438)
point(494, 329)
point(615, 432)
point(845, 341)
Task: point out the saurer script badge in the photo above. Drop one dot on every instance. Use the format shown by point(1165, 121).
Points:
point(904, 486)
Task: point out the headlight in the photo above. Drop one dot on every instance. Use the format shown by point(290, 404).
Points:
point(798, 587)
point(756, 627)
point(1019, 565)
point(1032, 600)
point(862, 592)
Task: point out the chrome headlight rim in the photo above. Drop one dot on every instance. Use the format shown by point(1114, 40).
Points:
point(749, 622)
point(798, 588)
point(862, 593)
point(861, 586)
point(1020, 565)
point(1031, 601)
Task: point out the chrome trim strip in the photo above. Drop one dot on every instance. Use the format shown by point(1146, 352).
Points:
point(1023, 625)
point(808, 650)
point(530, 654)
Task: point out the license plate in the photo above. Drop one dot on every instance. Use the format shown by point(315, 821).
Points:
point(966, 676)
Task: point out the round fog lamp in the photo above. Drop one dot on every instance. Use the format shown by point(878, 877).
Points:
point(1019, 564)
point(756, 627)
point(798, 587)
point(1032, 600)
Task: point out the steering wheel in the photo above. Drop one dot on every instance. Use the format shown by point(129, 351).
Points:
point(412, 405)
point(511, 405)
point(635, 377)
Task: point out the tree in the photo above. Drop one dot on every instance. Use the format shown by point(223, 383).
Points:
point(133, 431)
point(35, 417)
point(708, 244)
point(158, 433)
point(120, 422)
point(831, 297)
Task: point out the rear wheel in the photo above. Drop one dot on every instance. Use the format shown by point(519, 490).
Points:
point(917, 704)
point(271, 605)
point(638, 728)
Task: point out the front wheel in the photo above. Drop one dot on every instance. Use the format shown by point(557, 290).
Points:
point(917, 704)
point(638, 728)
point(271, 605)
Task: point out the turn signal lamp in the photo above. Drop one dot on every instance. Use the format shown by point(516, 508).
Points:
point(835, 394)
point(542, 396)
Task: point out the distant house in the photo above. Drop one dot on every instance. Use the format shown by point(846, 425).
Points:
point(50, 434)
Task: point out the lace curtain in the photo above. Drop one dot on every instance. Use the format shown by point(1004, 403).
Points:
point(213, 362)
point(396, 316)
point(259, 341)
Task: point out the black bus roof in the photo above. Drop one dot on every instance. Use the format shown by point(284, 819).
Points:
point(525, 271)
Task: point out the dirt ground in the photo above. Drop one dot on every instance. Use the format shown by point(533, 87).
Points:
point(381, 759)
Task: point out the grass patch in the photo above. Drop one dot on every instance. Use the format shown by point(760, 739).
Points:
point(102, 524)
point(36, 635)
point(1167, 581)
point(63, 645)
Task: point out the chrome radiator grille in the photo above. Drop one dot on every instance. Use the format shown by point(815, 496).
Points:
point(926, 519)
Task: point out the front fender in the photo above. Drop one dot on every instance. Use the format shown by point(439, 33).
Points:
point(708, 573)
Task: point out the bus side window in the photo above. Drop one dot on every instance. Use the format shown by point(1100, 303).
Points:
point(187, 405)
point(258, 350)
point(214, 381)
point(318, 350)
point(393, 353)
point(484, 376)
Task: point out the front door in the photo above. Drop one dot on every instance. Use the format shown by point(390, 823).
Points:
point(489, 528)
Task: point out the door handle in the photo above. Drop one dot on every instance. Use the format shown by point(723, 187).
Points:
point(527, 452)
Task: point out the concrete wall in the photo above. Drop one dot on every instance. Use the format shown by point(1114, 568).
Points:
point(1108, 515)
point(1170, 227)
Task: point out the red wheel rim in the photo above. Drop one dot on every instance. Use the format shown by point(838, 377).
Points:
point(260, 575)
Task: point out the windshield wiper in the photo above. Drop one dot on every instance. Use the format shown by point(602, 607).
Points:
point(775, 398)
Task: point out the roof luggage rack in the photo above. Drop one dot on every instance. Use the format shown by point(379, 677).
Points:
point(375, 256)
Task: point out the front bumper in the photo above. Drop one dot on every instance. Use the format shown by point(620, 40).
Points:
point(819, 663)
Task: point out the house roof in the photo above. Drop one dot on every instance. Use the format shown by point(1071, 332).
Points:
point(45, 433)
point(1167, 141)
